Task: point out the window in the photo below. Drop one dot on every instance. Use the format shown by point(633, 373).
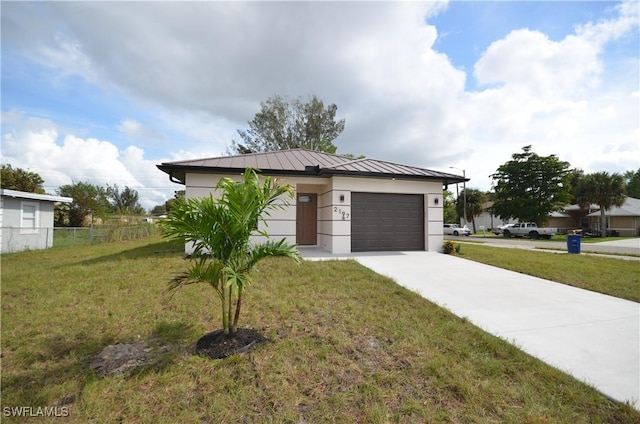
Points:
point(29, 217)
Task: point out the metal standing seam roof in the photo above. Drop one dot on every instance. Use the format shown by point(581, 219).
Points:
point(631, 207)
point(304, 162)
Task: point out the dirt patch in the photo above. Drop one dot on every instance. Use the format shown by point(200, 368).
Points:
point(218, 345)
point(121, 358)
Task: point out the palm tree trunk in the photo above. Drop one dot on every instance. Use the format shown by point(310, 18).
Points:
point(225, 321)
point(229, 312)
point(603, 222)
point(236, 317)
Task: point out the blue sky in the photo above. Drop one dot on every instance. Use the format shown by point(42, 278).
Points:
point(102, 92)
point(467, 28)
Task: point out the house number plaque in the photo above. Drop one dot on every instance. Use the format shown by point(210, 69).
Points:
point(341, 213)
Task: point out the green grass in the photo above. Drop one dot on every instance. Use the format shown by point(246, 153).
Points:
point(612, 276)
point(347, 345)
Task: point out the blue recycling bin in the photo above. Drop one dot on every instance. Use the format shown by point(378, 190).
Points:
point(573, 243)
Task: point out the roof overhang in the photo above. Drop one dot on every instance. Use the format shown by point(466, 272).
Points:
point(34, 196)
point(177, 173)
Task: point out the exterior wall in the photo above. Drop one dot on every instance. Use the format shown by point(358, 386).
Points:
point(433, 211)
point(334, 206)
point(14, 237)
point(488, 221)
point(625, 225)
point(282, 221)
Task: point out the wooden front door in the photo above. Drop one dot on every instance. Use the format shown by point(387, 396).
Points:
point(307, 219)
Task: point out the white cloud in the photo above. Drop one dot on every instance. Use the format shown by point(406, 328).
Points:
point(36, 145)
point(130, 127)
point(204, 67)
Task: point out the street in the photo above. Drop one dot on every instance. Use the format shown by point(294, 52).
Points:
point(625, 246)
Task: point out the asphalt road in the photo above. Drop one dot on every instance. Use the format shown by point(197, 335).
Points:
point(623, 246)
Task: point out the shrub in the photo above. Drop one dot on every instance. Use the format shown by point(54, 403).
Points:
point(448, 247)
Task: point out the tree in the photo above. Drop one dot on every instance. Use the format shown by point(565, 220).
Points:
point(632, 180)
point(449, 207)
point(282, 124)
point(20, 180)
point(220, 230)
point(603, 189)
point(475, 205)
point(530, 187)
point(88, 199)
point(178, 194)
point(158, 210)
point(124, 202)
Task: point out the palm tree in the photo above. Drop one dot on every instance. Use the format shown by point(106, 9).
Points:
point(475, 202)
point(220, 229)
point(603, 189)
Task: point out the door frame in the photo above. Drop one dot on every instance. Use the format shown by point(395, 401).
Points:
point(310, 225)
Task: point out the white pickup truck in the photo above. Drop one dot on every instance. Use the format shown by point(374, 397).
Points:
point(529, 229)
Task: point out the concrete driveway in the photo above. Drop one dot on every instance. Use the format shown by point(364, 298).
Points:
point(594, 337)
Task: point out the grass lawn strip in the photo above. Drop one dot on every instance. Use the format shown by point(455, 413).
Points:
point(347, 345)
point(615, 277)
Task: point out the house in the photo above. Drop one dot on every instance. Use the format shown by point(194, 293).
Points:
point(623, 220)
point(487, 219)
point(26, 220)
point(342, 204)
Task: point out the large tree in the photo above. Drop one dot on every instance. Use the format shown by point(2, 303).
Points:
point(125, 201)
point(603, 189)
point(632, 180)
point(289, 124)
point(530, 187)
point(21, 180)
point(88, 199)
point(475, 200)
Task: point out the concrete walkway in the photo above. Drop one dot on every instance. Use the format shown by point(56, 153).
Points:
point(594, 337)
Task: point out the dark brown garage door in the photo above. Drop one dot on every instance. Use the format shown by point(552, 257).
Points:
point(381, 221)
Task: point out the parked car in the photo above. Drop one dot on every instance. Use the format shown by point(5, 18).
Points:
point(529, 229)
point(500, 230)
point(455, 230)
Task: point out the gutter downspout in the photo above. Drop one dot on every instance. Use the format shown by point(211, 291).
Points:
point(173, 179)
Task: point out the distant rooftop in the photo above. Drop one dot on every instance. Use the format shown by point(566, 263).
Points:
point(304, 163)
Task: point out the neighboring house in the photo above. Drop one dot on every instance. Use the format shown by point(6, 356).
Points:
point(573, 217)
point(624, 220)
point(26, 220)
point(342, 204)
point(487, 220)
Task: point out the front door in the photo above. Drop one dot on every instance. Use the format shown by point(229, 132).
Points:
point(306, 219)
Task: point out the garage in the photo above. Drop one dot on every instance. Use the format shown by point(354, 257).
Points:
point(385, 221)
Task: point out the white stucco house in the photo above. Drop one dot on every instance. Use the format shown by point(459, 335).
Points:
point(26, 220)
point(342, 204)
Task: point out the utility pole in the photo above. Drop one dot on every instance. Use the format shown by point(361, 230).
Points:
point(464, 192)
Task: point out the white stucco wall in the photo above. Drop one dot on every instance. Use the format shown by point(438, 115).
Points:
point(334, 214)
point(14, 237)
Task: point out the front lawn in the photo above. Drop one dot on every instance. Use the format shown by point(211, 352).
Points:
point(347, 345)
point(612, 276)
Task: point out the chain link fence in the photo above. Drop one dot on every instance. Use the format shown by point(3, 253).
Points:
point(15, 239)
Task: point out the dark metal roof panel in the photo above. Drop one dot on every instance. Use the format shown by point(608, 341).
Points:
point(295, 161)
